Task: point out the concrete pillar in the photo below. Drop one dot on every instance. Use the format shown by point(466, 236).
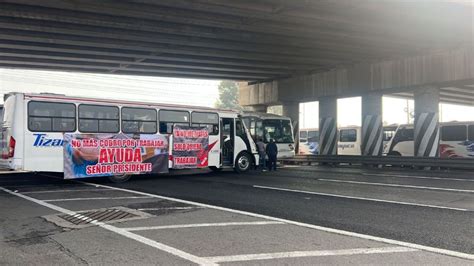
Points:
point(328, 126)
point(259, 108)
point(426, 134)
point(292, 110)
point(372, 127)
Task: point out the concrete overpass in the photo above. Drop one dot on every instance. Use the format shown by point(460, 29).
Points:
point(285, 51)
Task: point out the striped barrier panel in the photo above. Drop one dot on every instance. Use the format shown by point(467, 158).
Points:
point(328, 136)
point(372, 135)
point(427, 135)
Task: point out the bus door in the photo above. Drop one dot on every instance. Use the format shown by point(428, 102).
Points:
point(227, 141)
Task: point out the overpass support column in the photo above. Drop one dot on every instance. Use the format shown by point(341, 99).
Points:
point(259, 108)
point(426, 134)
point(292, 110)
point(328, 126)
point(372, 127)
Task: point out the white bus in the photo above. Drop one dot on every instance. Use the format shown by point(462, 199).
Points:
point(456, 140)
point(34, 126)
point(267, 126)
point(349, 140)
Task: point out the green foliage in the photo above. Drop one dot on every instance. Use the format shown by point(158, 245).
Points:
point(228, 95)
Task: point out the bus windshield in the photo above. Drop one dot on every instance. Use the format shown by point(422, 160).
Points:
point(313, 136)
point(277, 129)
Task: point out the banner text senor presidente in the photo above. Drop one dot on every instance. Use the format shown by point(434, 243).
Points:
point(119, 155)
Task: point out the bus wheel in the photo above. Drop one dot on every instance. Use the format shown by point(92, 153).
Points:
point(215, 169)
point(119, 178)
point(243, 162)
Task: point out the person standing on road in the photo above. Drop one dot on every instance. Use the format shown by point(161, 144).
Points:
point(261, 153)
point(272, 152)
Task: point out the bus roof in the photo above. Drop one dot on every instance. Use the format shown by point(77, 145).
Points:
point(264, 115)
point(62, 97)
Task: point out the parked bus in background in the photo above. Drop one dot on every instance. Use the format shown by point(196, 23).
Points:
point(456, 140)
point(270, 126)
point(349, 140)
point(309, 141)
point(36, 125)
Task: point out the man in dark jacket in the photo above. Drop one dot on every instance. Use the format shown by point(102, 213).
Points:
point(272, 152)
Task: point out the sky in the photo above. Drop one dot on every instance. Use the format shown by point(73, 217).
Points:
point(195, 92)
point(393, 112)
point(119, 87)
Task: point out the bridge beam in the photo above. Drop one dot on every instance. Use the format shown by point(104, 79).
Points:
point(328, 126)
point(292, 110)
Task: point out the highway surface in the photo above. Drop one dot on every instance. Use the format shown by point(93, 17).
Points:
point(297, 215)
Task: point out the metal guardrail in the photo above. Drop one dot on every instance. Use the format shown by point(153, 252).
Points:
point(405, 161)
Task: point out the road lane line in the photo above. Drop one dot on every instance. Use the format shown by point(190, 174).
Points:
point(315, 253)
point(64, 190)
point(306, 225)
point(361, 198)
point(395, 185)
point(170, 208)
point(177, 226)
point(98, 198)
point(421, 177)
point(117, 230)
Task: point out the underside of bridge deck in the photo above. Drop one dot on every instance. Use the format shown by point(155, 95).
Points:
point(249, 40)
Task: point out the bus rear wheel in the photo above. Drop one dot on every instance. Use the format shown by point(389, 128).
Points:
point(243, 162)
point(119, 178)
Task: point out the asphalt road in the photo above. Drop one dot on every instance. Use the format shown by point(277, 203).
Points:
point(242, 221)
point(444, 227)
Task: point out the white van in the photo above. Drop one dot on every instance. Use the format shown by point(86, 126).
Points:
point(349, 140)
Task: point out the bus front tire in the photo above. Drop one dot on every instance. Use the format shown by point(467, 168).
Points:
point(243, 162)
point(119, 178)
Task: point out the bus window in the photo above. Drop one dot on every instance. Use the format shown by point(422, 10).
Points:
point(209, 120)
point(303, 134)
point(51, 117)
point(277, 129)
point(98, 118)
point(453, 133)
point(259, 129)
point(348, 135)
point(388, 135)
point(246, 121)
point(139, 120)
point(471, 133)
point(313, 136)
point(168, 118)
point(239, 129)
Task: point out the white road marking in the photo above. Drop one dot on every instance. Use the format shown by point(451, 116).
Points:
point(98, 198)
point(176, 226)
point(395, 185)
point(360, 198)
point(6, 172)
point(421, 177)
point(317, 227)
point(170, 208)
point(64, 190)
point(138, 238)
point(315, 253)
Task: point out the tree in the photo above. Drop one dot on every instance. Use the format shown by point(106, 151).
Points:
point(228, 95)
